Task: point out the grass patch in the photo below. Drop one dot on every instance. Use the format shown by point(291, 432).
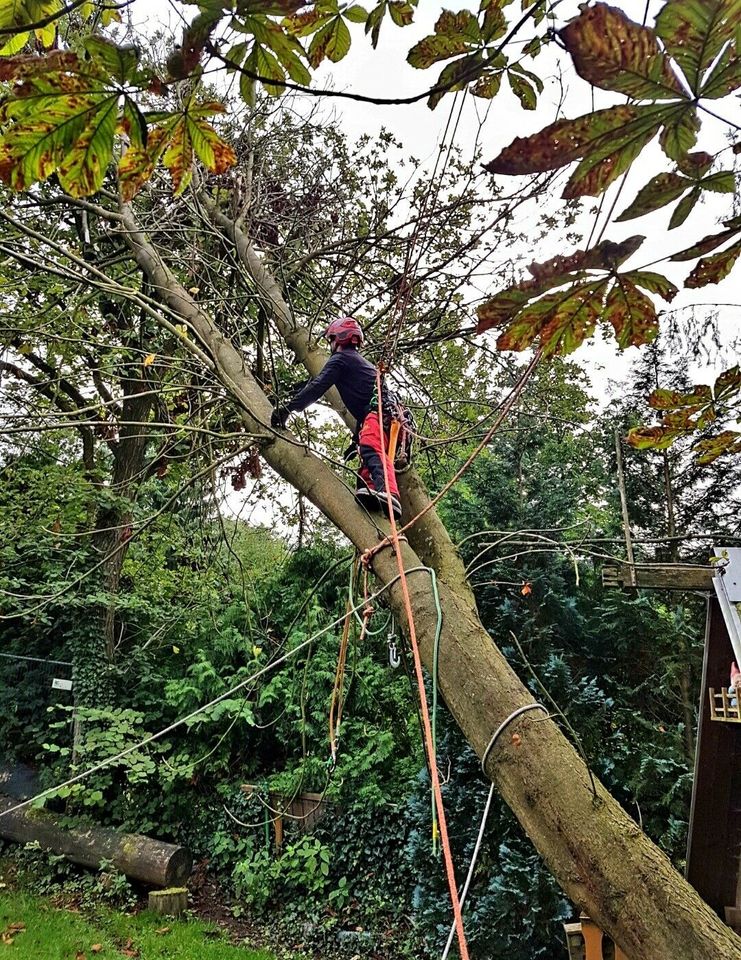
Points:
point(53, 933)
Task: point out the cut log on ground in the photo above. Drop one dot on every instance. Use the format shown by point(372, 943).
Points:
point(139, 857)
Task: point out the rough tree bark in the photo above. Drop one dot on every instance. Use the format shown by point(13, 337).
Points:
point(602, 860)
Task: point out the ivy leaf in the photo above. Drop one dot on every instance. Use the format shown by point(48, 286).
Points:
point(715, 268)
point(631, 313)
point(695, 31)
point(612, 52)
point(659, 191)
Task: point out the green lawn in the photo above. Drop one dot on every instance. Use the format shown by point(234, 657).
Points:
point(51, 933)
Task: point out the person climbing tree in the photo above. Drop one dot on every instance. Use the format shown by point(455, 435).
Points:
point(355, 378)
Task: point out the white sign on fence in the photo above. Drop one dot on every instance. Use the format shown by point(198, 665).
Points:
point(60, 684)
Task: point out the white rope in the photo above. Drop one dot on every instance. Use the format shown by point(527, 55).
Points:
point(471, 867)
point(505, 723)
point(482, 826)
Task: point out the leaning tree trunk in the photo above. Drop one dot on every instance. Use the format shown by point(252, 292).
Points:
point(597, 853)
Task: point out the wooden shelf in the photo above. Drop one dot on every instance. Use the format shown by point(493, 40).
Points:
point(721, 706)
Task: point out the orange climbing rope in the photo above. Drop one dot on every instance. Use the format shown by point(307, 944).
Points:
point(506, 408)
point(427, 726)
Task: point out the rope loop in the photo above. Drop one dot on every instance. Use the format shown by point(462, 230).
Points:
point(503, 726)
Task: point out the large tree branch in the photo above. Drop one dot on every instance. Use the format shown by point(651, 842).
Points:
point(428, 537)
point(596, 851)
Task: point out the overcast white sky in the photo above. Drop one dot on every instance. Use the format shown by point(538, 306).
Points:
point(385, 73)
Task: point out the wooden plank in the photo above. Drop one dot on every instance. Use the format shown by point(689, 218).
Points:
point(712, 867)
point(658, 577)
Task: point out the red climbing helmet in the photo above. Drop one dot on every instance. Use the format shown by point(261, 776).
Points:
point(344, 332)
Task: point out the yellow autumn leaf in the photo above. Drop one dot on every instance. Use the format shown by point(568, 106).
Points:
point(149, 359)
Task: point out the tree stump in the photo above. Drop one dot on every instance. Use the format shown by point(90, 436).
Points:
point(171, 902)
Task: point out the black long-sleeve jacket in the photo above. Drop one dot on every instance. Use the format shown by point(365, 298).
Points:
point(351, 373)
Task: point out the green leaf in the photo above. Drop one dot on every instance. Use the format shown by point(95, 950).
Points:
point(564, 141)
point(435, 48)
point(523, 90)
point(612, 52)
point(725, 77)
point(355, 14)
point(710, 242)
point(727, 384)
point(653, 282)
point(659, 191)
point(401, 12)
point(681, 126)
point(120, 63)
point(58, 121)
point(684, 208)
point(488, 85)
point(631, 314)
point(695, 399)
point(722, 182)
point(18, 14)
point(134, 123)
point(14, 45)
point(608, 159)
point(455, 33)
point(331, 41)
point(695, 165)
point(455, 76)
point(306, 23)
point(560, 321)
point(726, 442)
point(695, 31)
point(715, 268)
point(651, 438)
point(83, 168)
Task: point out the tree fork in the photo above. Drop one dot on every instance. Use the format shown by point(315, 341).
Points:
point(428, 536)
point(598, 854)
